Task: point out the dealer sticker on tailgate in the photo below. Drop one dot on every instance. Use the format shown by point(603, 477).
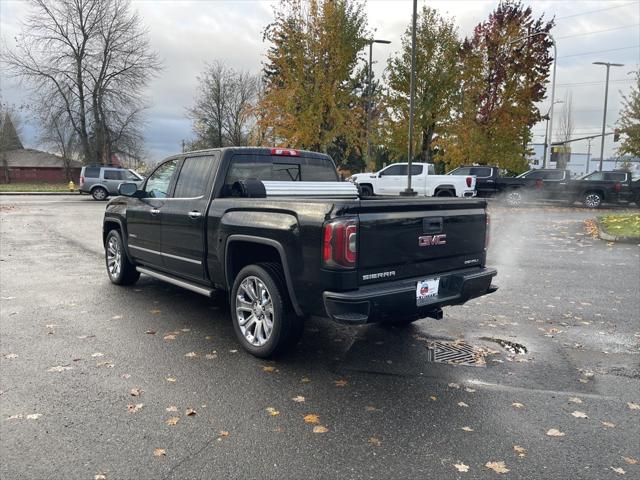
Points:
point(426, 289)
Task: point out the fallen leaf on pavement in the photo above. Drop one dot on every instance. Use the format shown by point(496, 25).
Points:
point(608, 424)
point(320, 429)
point(578, 414)
point(211, 356)
point(633, 406)
point(171, 408)
point(374, 441)
point(185, 330)
point(305, 380)
point(462, 404)
point(454, 385)
point(273, 412)
point(136, 392)
point(575, 400)
point(298, 399)
point(170, 379)
point(554, 432)
point(105, 364)
point(517, 405)
point(191, 354)
point(461, 467)
point(520, 451)
point(311, 418)
point(470, 390)
point(340, 383)
point(97, 354)
point(172, 421)
point(619, 470)
point(100, 476)
point(135, 408)
point(59, 368)
point(116, 317)
point(433, 398)
point(630, 461)
point(159, 452)
point(498, 466)
point(269, 369)
point(170, 337)
point(125, 376)
point(190, 412)
point(150, 332)
point(155, 311)
point(467, 429)
point(223, 433)
point(11, 355)
point(33, 416)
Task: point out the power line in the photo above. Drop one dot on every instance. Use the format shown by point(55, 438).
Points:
point(599, 31)
point(599, 51)
point(598, 10)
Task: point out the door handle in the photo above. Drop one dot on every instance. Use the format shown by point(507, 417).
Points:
point(155, 211)
point(194, 214)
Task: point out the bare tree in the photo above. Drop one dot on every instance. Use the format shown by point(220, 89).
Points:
point(223, 111)
point(89, 59)
point(57, 133)
point(566, 128)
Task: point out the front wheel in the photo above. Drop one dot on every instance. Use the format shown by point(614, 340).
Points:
point(262, 315)
point(592, 199)
point(366, 191)
point(513, 198)
point(120, 270)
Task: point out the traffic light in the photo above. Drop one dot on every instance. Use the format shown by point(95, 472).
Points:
point(616, 134)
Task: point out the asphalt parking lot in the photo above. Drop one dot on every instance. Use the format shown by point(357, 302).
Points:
point(148, 382)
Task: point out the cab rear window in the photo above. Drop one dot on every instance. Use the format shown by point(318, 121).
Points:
point(274, 168)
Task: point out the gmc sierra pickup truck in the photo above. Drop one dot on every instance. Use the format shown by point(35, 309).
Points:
point(276, 230)
point(596, 188)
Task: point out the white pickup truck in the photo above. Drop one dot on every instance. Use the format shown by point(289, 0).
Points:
point(392, 179)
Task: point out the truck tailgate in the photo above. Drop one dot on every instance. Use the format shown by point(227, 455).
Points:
point(418, 237)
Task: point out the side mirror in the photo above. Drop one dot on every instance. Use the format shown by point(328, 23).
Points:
point(127, 189)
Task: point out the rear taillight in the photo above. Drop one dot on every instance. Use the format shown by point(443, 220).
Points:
point(617, 187)
point(539, 183)
point(82, 180)
point(487, 233)
point(340, 243)
point(469, 181)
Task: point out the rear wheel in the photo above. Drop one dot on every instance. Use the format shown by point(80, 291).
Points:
point(99, 193)
point(513, 198)
point(592, 199)
point(121, 271)
point(366, 191)
point(261, 312)
point(444, 193)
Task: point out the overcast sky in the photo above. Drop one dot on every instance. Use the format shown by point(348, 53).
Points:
point(187, 34)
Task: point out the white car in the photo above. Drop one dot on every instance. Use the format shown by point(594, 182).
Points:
point(392, 180)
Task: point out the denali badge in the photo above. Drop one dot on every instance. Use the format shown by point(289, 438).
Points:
point(429, 240)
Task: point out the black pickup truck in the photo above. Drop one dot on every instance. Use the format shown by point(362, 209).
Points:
point(235, 220)
point(596, 188)
point(536, 184)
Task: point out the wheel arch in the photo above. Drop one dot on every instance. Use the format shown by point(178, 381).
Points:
point(256, 249)
point(110, 224)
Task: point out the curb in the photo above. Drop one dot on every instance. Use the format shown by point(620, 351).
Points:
point(603, 235)
point(39, 193)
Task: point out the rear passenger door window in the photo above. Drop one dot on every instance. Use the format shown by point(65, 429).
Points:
point(194, 176)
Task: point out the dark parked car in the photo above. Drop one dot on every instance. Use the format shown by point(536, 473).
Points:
point(596, 188)
point(536, 184)
point(235, 220)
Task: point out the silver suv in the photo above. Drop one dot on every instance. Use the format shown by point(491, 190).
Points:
point(101, 181)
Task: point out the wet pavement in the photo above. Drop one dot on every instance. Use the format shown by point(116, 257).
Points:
point(366, 402)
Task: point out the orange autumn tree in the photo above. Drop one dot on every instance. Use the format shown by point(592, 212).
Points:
point(308, 99)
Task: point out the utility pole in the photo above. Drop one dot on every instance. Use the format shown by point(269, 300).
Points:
point(604, 115)
point(588, 154)
point(369, 96)
point(409, 192)
point(546, 132)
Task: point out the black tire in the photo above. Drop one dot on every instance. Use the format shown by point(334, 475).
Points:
point(286, 328)
point(592, 200)
point(444, 193)
point(120, 270)
point(366, 191)
point(513, 197)
point(100, 194)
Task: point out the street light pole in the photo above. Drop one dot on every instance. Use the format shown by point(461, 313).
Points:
point(604, 115)
point(409, 192)
point(369, 95)
point(553, 87)
point(546, 130)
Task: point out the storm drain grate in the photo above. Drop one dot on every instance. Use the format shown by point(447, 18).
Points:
point(455, 353)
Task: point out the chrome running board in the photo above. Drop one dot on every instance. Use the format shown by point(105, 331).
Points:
point(207, 292)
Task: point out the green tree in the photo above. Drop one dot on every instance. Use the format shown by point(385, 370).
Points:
point(308, 99)
point(437, 84)
point(630, 121)
point(503, 78)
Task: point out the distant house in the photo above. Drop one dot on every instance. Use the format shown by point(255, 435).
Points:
point(29, 166)
point(25, 165)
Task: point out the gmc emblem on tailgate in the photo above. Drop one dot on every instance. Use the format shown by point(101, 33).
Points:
point(429, 240)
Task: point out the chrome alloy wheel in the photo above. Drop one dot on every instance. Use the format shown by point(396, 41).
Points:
point(592, 200)
point(114, 257)
point(514, 198)
point(254, 311)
